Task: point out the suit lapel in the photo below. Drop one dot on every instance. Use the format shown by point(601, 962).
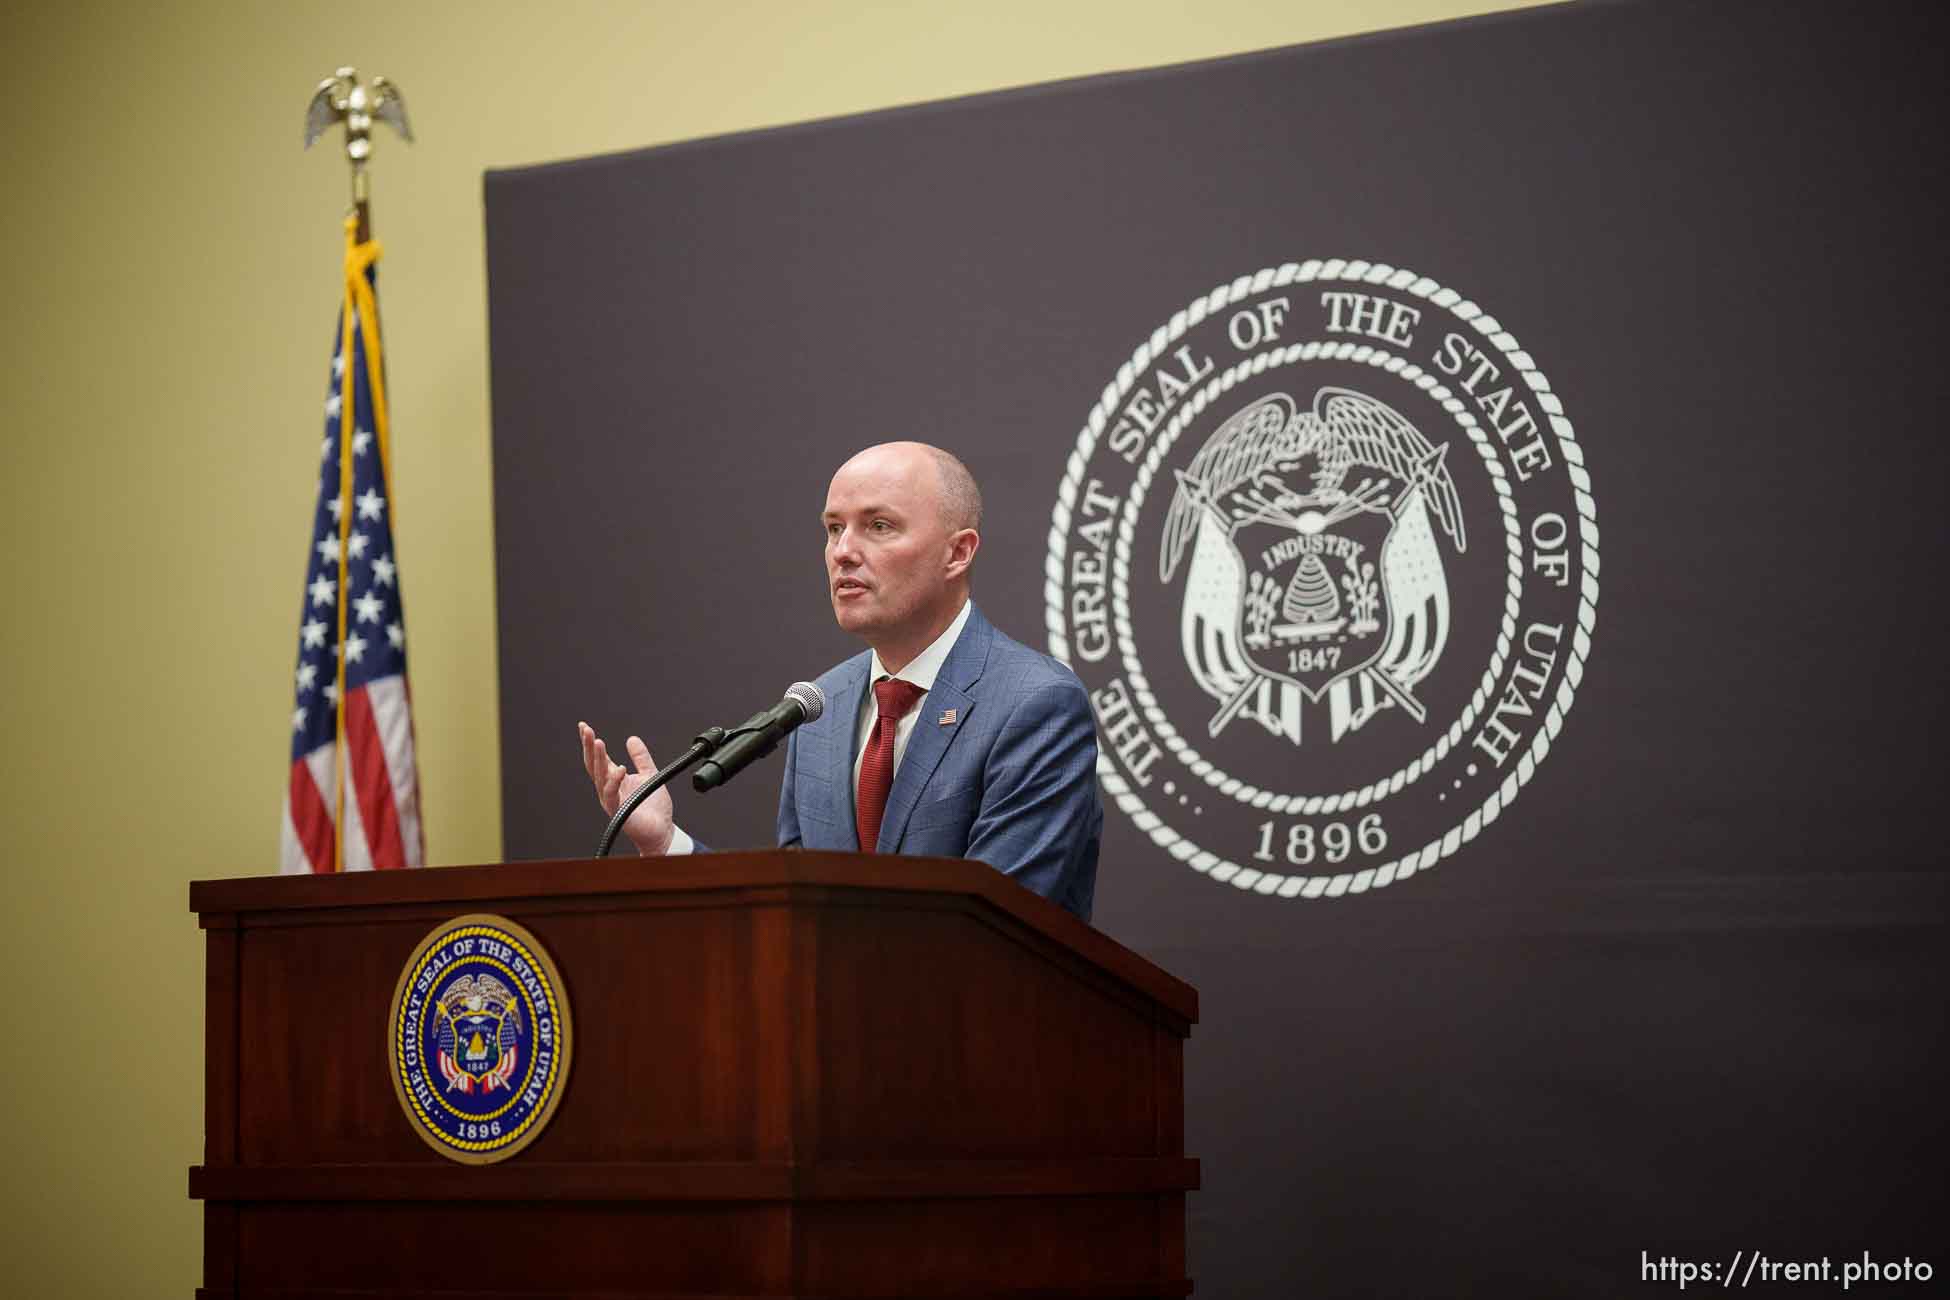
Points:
point(930, 740)
point(844, 714)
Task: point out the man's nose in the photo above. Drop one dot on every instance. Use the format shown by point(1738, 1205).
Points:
point(843, 549)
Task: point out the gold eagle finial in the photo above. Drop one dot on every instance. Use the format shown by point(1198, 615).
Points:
point(342, 99)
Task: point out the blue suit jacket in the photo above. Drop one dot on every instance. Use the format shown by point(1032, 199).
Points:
point(1012, 781)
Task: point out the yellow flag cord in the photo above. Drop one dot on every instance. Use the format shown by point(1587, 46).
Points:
point(360, 307)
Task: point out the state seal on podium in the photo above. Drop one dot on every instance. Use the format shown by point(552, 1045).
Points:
point(480, 1039)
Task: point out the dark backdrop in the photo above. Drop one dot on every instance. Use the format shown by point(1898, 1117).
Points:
point(1684, 996)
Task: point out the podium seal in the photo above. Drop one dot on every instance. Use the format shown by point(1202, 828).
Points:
point(480, 1039)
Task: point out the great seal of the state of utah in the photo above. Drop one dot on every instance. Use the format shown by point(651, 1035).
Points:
point(1326, 557)
point(480, 1039)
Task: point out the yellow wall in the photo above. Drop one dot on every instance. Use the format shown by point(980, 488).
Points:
point(172, 270)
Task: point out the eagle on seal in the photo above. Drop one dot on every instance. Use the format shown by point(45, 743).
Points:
point(1314, 569)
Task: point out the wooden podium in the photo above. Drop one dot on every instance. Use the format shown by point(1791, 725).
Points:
point(794, 1074)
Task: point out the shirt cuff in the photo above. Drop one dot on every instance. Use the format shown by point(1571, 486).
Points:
point(679, 843)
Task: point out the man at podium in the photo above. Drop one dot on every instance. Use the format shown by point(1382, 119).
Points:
point(944, 738)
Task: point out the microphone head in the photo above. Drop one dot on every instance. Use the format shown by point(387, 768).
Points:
point(810, 699)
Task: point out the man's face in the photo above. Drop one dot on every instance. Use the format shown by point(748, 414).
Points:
point(888, 550)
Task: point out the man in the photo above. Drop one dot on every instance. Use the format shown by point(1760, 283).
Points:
point(945, 738)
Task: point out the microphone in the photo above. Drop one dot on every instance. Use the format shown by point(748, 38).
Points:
point(760, 736)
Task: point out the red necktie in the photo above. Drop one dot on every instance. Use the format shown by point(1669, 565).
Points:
point(895, 698)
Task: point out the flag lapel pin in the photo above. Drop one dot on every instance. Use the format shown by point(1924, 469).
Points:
point(947, 718)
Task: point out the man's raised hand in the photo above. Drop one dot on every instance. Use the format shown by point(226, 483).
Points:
point(653, 824)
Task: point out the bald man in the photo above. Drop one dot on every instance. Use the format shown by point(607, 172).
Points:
point(944, 737)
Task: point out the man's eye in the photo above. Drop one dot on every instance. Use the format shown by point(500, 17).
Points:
point(881, 525)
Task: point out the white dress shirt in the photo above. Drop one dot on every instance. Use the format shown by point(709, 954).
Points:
point(922, 672)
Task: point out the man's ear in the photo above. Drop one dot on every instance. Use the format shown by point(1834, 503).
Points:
point(961, 551)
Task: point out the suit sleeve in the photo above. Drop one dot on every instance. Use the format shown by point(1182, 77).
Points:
point(1040, 817)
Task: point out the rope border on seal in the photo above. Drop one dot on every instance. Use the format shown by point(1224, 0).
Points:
point(1055, 568)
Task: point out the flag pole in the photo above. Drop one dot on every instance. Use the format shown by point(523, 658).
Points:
point(343, 100)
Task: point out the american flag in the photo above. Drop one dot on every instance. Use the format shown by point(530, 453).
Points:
point(353, 800)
